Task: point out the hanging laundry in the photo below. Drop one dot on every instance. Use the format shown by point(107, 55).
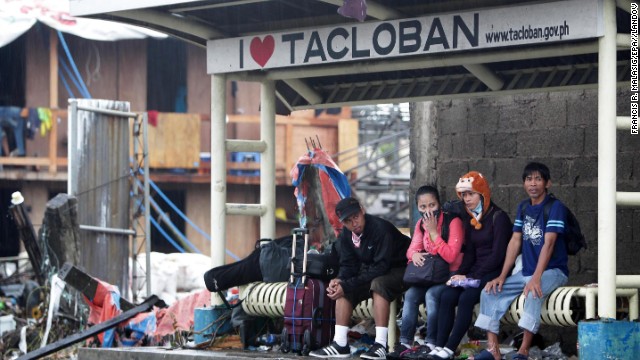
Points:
point(152, 117)
point(33, 121)
point(45, 120)
point(10, 119)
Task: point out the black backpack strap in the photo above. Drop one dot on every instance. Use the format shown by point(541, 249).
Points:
point(444, 233)
point(547, 209)
point(495, 214)
point(523, 207)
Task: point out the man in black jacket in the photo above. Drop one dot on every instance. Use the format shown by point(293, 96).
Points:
point(372, 263)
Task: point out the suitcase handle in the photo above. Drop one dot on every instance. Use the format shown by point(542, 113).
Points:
point(297, 232)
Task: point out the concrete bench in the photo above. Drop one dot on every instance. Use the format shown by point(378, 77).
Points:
point(268, 299)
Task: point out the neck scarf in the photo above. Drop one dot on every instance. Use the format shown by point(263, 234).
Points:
point(478, 210)
point(356, 239)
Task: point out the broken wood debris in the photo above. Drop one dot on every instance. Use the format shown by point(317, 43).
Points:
point(94, 330)
point(86, 284)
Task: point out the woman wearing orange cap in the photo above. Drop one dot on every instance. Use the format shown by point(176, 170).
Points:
point(487, 234)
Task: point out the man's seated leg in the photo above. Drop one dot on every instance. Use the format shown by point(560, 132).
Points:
point(494, 306)
point(384, 289)
point(339, 348)
point(530, 322)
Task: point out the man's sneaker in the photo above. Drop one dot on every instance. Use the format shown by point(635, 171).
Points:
point(332, 351)
point(397, 352)
point(376, 351)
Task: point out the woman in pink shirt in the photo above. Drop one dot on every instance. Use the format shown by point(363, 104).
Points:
point(428, 238)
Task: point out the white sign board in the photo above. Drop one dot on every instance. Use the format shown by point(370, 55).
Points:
point(470, 30)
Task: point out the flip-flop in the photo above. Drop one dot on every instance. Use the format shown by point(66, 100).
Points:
point(483, 355)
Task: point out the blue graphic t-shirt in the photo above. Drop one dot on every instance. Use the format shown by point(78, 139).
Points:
point(530, 224)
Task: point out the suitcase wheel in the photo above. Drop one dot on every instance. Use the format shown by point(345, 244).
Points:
point(285, 347)
point(306, 348)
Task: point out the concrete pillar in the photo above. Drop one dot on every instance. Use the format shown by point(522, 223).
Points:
point(268, 159)
point(218, 169)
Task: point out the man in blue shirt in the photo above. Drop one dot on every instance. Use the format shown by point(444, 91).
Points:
point(544, 264)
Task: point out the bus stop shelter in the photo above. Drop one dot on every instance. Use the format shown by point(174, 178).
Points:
point(319, 54)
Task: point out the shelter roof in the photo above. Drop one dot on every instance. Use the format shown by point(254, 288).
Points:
point(18, 16)
point(451, 55)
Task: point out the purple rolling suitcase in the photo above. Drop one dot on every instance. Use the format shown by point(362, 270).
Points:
point(309, 315)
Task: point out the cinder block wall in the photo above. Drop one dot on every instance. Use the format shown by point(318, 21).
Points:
point(499, 135)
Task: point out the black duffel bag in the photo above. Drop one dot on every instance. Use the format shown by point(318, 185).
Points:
point(238, 273)
point(320, 266)
point(275, 258)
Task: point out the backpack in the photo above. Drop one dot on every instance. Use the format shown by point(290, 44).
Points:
point(457, 208)
point(574, 240)
point(448, 217)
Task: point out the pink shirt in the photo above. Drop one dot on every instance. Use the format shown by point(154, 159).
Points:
point(450, 251)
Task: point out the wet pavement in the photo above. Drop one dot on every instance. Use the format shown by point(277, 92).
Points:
point(143, 353)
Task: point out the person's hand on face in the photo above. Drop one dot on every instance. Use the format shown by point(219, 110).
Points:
point(430, 219)
point(428, 206)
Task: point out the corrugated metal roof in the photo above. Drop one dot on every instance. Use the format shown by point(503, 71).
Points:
point(528, 68)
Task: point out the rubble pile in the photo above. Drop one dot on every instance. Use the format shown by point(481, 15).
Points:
point(25, 321)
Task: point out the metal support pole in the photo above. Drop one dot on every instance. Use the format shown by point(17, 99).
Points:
point(147, 210)
point(107, 230)
point(628, 199)
point(135, 224)
point(218, 169)
point(268, 159)
point(607, 164)
point(71, 136)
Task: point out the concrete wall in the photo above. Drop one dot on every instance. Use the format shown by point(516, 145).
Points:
point(498, 136)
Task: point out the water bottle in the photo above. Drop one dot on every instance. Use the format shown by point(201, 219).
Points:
point(466, 283)
point(233, 295)
point(268, 339)
point(313, 250)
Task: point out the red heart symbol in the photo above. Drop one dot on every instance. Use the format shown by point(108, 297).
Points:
point(261, 50)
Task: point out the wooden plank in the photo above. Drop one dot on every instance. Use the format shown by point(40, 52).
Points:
point(85, 283)
point(29, 240)
point(237, 119)
point(248, 180)
point(290, 157)
point(27, 161)
point(61, 229)
point(175, 141)
point(53, 68)
point(347, 139)
point(245, 165)
point(53, 143)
